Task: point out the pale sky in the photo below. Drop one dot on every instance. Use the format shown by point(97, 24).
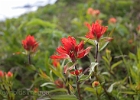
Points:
point(7, 7)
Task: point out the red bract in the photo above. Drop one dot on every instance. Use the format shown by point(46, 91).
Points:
point(59, 83)
point(9, 74)
point(71, 49)
point(55, 63)
point(76, 72)
point(30, 43)
point(1, 73)
point(95, 30)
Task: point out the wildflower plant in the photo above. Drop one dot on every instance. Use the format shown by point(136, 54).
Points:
point(71, 76)
point(6, 84)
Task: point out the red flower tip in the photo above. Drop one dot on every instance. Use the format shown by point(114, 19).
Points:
point(95, 30)
point(76, 72)
point(59, 83)
point(55, 62)
point(9, 74)
point(30, 43)
point(112, 20)
point(70, 49)
point(1, 73)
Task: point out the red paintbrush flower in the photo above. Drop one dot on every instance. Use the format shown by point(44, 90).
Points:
point(30, 43)
point(76, 72)
point(95, 30)
point(59, 83)
point(71, 49)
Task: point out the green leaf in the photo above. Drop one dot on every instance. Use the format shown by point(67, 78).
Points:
point(88, 40)
point(31, 68)
point(90, 89)
point(103, 45)
point(106, 60)
point(55, 71)
point(58, 90)
point(64, 97)
point(112, 31)
point(36, 21)
point(116, 64)
point(129, 92)
point(132, 56)
point(93, 65)
point(84, 77)
point(47, 83)
point(111, 87)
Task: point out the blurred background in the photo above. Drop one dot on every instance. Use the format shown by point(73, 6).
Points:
point(14, 8)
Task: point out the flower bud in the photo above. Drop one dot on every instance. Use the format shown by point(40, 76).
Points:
point(9, 74)
point(95, 84)
point(1, 73)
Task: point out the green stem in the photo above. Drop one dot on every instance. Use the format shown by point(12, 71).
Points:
point(97, 94)
point(29, 58)
point(78, 87)
point(97, 52)
point(95, 73)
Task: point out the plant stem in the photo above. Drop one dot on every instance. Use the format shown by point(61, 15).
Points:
point(95, 73)
point(97, 94)
point(97, 78)
point(29, 58)
point(68, 89)
point(97, 52)
point(78, 87)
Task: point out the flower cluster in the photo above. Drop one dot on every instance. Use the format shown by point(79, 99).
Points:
point(95, 30)
point(76, 72)
point(4, 74)
point(30, 44)
point(93, 12)
point(71, 49)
